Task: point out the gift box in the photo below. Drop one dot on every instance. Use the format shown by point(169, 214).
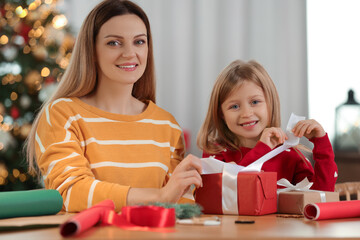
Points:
point(254, 193)
point(293, 198)
point(293, 202)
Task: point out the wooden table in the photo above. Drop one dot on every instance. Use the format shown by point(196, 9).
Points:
point(265, 227)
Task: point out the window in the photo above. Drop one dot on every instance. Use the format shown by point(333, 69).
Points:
point(333, 57)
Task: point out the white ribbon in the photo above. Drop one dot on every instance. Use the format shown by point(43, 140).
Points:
point(290, 142)
point(230, 171)
point(303, 186)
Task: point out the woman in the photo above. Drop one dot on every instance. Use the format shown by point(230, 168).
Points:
point(101, 136)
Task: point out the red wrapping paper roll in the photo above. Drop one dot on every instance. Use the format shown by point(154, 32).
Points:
point(86, 219)
point(332, 210)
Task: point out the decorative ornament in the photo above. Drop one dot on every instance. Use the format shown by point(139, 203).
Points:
point(14, 112)
point(9, 52)
point(25, 101)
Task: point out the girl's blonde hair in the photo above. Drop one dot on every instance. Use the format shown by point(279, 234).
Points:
point(80, 77)
point(214, 135)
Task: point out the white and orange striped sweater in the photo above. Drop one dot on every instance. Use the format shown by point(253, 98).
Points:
point(89, 155)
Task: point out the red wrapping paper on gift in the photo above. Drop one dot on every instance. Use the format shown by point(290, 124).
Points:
point(332, 210)
point(256, 193)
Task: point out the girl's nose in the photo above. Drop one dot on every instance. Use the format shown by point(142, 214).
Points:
point(247, 111)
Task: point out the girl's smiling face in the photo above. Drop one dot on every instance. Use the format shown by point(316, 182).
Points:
point(122, 49)
point(245, 113)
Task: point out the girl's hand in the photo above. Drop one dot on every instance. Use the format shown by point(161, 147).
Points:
point(308, 128)
point(273, 137)
point(185, 174)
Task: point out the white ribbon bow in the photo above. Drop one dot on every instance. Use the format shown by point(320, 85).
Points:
point(303, 186)
point(230, 171)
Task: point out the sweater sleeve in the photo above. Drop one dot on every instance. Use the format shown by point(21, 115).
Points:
point(64, 167)
point(325, 167)
point(178, 154)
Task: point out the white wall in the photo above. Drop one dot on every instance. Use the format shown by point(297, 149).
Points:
point(195, 39)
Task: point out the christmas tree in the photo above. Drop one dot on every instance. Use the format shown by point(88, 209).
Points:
point(35, 48)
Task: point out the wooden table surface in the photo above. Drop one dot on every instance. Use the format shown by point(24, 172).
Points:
point(265, 227)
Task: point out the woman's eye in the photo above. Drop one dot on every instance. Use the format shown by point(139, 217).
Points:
point(113, 43)
point(140, 42)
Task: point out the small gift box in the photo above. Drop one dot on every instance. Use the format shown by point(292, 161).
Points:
point(293, 199)
point(254, 194)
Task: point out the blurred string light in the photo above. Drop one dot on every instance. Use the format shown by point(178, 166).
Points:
point(59, 21)
point(21, 12)
point(4, 39)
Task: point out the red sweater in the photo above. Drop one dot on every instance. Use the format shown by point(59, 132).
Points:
point(288, 164)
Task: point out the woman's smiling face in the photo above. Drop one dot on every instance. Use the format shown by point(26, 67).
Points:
point(122, 49)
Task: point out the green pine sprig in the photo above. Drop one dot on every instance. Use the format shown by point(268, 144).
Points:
point(183, 210)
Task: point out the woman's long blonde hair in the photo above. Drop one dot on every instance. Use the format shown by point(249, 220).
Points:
point(80, 77)
point(214, 135)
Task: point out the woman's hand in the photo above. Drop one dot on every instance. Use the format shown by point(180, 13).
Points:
point(273, 137)
point(308, 128)
point(185, 174)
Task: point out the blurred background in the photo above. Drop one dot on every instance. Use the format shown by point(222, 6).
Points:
point(309, 48)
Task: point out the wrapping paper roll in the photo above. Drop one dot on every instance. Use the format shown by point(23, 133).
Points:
point(86, 219)
point(30, 203)
point(332, 210)
point(138, 218)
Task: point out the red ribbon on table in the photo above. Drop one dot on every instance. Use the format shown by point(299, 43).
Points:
point(137, 218)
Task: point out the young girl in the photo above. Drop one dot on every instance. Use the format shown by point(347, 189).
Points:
point(243, 124)
point(101, 136)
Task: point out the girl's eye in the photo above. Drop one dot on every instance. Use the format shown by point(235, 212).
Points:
point(235, 106)
point(255, 102)
point(113, 43)
point(140, 42)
